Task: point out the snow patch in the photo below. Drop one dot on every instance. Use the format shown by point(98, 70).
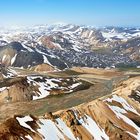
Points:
point(13, 59)
point(29, 137)
point(123, 102)
point(27, 48)
point(46, 60)
point(66, 130)
point(49, 131)
point(22, 121)
point(98, 133)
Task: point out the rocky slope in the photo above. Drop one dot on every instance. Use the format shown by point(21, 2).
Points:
point(34, 87)
point(63, 46)
point(113, 117)
point(13, 54)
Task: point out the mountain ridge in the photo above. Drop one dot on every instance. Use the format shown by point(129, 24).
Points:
point(120, 121)
point(64, 46)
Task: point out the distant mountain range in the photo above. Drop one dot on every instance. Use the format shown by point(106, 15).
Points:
point(65, 45)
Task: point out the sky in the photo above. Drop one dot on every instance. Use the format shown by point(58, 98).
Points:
point(85, 12)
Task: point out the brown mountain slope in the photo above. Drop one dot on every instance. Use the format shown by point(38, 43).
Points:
point(114, 117)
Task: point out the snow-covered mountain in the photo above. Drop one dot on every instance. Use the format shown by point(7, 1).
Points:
point(66, 45)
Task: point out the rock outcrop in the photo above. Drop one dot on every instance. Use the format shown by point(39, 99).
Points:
point(44, 68)
point(37, 87)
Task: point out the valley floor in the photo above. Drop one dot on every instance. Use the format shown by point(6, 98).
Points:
point(101, 84)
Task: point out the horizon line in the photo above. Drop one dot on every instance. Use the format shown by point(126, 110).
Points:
point(64, 24)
